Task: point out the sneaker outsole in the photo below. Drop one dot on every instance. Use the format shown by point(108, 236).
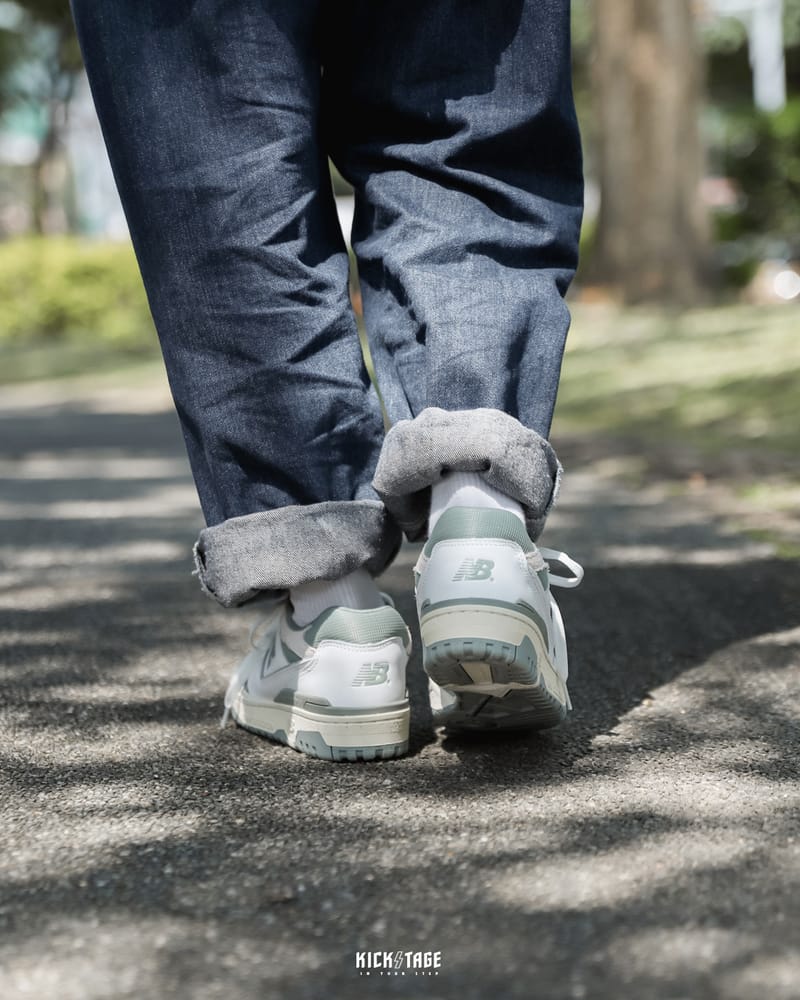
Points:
point(315, 746)
point(499, 685)
point(516, 711)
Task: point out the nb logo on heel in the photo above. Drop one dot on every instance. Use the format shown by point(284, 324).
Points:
point(372, 673)
point(474, 569)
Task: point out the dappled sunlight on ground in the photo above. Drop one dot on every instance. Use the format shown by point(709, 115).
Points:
point(648, 848)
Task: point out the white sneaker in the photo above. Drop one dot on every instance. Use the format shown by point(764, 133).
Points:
point(493, 638)
point(334, 689)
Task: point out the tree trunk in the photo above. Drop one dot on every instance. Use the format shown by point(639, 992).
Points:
point(652, 238)
point(51, 177)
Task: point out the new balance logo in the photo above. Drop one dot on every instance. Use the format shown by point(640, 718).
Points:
point(474, 569)
point(372, 673)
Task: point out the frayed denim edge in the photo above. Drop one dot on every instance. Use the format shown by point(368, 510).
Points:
point(269, 551)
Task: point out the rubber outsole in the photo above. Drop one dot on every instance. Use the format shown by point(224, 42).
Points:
point(516, 711)
point(498, 685)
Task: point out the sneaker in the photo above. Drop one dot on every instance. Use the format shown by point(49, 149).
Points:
point(493, 638)
point(334, 689)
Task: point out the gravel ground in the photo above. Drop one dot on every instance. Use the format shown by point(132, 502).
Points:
point(648, 848)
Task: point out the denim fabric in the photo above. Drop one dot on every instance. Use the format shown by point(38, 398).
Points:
point(277, 549)
point(458, 132)
point(210, 112)
point(454, 121)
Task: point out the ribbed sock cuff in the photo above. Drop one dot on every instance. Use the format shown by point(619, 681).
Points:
point(354, 590)
point(468, 489)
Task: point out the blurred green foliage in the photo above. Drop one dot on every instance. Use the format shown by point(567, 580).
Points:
point(762, 157)
point(67, 289)
point(708, 389)
point(39, 53)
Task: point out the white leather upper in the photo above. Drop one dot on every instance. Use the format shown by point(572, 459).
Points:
point(491, 569)
point(346, 675)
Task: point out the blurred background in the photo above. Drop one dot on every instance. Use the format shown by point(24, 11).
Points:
point(684, 357)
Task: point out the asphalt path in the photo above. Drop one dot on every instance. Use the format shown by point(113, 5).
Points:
point(648, 848)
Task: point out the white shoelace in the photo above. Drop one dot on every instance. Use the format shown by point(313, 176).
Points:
point(562, 559)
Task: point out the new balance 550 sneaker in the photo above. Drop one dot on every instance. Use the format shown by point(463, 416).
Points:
point(493, 638)
point(334, 689)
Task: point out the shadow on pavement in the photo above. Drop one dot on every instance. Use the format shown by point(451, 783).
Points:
point(647, 848)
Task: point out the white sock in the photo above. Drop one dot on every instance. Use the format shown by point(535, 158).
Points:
point(468, 489)
point(356, 590)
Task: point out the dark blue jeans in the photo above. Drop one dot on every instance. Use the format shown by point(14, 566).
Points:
point(454, 121)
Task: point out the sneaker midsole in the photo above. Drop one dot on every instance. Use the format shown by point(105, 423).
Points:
point(500, 623)
point(360, 729)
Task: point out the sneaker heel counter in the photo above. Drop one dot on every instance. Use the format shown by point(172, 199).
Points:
point(350, 625)
point(358, 675)
point(361, 656)
point(494, 569)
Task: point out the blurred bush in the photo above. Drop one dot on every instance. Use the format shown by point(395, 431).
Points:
point(763, 159)
point(67, 289)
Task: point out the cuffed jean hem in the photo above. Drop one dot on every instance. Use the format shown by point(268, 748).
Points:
point(510, 457)
point(273, 550)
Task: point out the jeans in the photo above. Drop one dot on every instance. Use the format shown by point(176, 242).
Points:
point(454, 121)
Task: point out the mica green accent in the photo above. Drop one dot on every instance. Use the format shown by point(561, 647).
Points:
point(534, 615)
point(544, 577)
point(288, 696)
point(479, 522)
point(347, 713)
point(289, 653)
point(314, 745)
point(321, 706)
point(349, 625)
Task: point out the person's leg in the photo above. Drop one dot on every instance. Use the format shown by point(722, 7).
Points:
point(455, 123)
point(210, 111)
point(210, 114)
